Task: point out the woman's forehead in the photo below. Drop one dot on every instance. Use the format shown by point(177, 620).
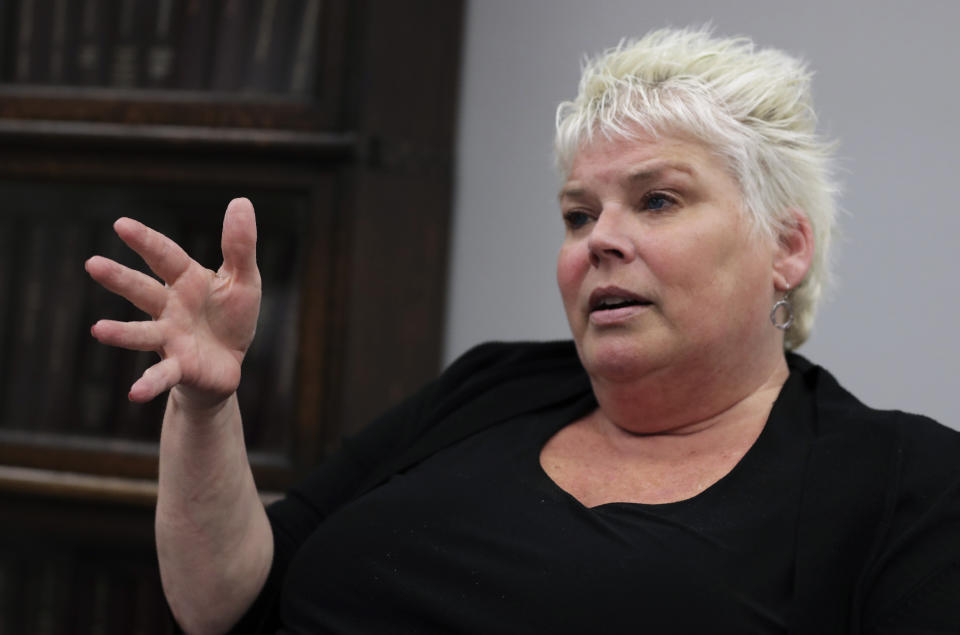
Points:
point(640, 158)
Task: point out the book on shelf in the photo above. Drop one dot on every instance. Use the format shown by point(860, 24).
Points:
point(253, 46)
point(8, 265)
point(274, 47)
point(29, 322)
point(161, 55)
point(303, 67)
point(94, 601)
point(48, 597)
point(124, 60)
point(23, 59)
point(9, 579)
point(277, 413)
point(14, 571)
point(56, 70)
point(89, 65)
point(89, 604)
point(65, 291)
point(232, 50)
point(193, 45)
point(148, 614)
point(41, 35)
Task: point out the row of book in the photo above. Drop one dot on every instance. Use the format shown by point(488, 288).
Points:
point(255, 46)
point(62, 591)
point(56, 378)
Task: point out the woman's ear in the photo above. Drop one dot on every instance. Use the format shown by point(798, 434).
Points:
point(794, 252)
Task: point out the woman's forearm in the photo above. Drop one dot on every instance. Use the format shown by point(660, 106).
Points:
point(214, 541)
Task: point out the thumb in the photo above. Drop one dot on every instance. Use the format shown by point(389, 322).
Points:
point(239, 240)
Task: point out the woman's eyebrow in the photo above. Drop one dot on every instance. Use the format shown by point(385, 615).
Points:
point(643, 174)
point(571, 192)
point(649, 173)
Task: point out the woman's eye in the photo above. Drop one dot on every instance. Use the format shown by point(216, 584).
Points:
point(658, 201)
point(576, 220)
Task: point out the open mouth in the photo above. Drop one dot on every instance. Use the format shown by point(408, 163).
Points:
point(617, 303)
point(611, 299)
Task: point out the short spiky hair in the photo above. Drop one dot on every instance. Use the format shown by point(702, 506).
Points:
point(752, 107)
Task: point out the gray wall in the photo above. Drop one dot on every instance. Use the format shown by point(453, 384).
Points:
point(886, 86)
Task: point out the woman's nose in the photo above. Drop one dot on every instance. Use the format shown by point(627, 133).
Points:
point(609, 239)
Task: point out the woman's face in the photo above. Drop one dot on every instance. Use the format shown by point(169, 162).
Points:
point(659, 269)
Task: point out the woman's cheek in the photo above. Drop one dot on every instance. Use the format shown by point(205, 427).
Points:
point(570, 272)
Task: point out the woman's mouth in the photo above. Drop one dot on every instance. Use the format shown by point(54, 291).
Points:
point(610, 305)
point(613, 298)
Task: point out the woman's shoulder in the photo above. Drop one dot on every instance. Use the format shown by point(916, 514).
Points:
point(512, 375)
point(839, 412)
point(882, 493)
point(508, 358)
point(899, 455)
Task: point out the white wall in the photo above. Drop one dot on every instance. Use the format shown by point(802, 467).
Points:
point(885, 86)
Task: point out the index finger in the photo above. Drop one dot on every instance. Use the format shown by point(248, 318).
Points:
point(164, 257)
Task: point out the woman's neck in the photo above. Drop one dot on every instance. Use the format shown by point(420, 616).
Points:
point(679, 402)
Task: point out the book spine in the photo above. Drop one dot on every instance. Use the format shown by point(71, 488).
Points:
point(279, 411)
point(24, 59)
point(41, 42)
point(274, 360)
point(256, 383)
point(150, 616)
point(69, 43)
point(100, 605)
point(7, 263)
point(89, 62)
point(65, 334)
point(123, 69)
point(160, 58)
point(8, 590)
point(58, 43)
point(47, 596)
point(26, 381)
point(303, 67)
point(258, 76)
point(193, 45)
point(231, 56)
point(287, 23)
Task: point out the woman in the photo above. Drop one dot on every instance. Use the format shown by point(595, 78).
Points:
point(673, 470)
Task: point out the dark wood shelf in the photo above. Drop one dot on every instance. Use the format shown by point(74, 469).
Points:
point(352, 183)
point(174, 138)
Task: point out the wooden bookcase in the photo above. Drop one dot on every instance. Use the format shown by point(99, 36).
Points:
point(336, 118)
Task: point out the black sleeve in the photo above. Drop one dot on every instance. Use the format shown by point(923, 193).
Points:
point(927, 596)
point(337, 479)
point(294, 517)
point(917, 589)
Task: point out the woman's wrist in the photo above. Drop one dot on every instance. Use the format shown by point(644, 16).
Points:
point(197, 407)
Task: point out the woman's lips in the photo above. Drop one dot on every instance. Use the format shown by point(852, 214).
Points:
point(613, 305)
point(618, 315)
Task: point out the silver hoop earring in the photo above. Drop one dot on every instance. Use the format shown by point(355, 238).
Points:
point(785, 304)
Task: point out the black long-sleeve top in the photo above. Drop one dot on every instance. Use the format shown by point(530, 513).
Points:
point(438, 519)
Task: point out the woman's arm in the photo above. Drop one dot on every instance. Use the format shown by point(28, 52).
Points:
point(214, 542)
point(213, 538)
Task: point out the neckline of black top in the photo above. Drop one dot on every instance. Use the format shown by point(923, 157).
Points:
point(789, 410)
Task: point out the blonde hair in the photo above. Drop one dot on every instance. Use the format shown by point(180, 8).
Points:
point(753, 107)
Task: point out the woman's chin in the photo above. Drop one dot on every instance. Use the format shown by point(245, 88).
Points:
point(618, 359)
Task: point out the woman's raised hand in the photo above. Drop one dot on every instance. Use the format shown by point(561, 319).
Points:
point(203, 321)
